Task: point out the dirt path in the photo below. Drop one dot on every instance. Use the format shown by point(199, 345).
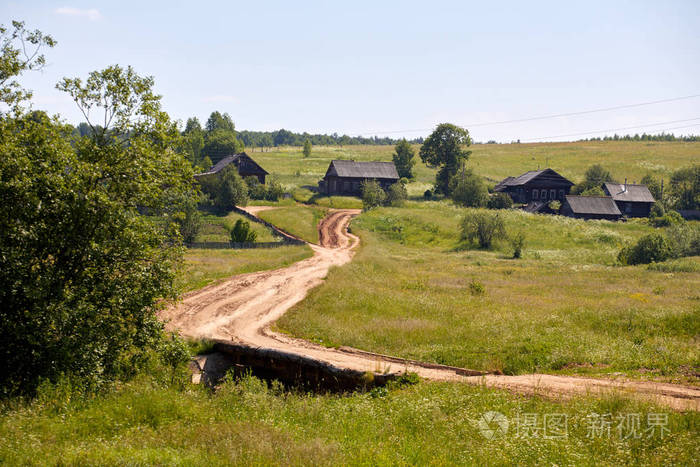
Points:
point(242, 308)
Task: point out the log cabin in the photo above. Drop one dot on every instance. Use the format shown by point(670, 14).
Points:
point(346, 177)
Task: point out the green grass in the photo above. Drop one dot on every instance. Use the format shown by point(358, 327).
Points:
point(564, 307)
point(625, 159)
point(337, 202)
point(217, 228)
point(301, 221)
point(148, 421)
point(202, 267)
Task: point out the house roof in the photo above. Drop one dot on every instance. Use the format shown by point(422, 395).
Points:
point(629, 192)
point(352, 169)
point(226, 161)
point(527, 177)
point(602, 205)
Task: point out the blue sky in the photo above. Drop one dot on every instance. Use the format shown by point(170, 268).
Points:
point(387, 67)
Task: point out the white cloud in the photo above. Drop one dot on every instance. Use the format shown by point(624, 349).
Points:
point(220, 98)
point(92, 13)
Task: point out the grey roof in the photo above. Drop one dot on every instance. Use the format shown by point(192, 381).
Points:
point(604, 205)
point(525, 178)
point(352, 169)
point(629, 192)
point(223, 163)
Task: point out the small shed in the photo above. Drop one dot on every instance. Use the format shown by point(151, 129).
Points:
point(536, 185)
point(590, 207)
point(245, 165)
point(346, 177)
point(632, 200)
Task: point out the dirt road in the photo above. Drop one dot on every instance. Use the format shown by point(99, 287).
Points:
point(242, 308)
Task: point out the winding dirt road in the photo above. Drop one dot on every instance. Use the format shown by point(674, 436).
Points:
point(242, 308)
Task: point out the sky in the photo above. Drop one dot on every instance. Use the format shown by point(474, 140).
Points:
point(388, 68)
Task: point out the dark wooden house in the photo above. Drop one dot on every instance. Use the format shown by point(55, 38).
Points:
point(537, 185)
point(632, 200)
point(346, 177)
point(590, 207)
point(245, 165)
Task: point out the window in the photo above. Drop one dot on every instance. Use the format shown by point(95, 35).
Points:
point(561, 195)
point(543, 196)
point(347, 186)
point(535, 194)
point(552, 194)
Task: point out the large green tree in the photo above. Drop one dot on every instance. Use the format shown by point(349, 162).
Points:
point(83, 270)
point(684, 188)
point(445, 149)
point(593, 180)
point(404, 159)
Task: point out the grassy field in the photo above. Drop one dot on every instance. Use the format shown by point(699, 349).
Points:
point(217, 228)
point(301, 221)
point(165, 422)
point(628, 159)
point(201, 267)
point(564, 307)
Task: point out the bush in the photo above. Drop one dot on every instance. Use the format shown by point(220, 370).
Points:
point(476, 288)
point(684, 239)
point(555, 205)
point(256, 190)
point(396, 195)
point(668, 219)
point(226, 190)
point(468, 189)
point(241, 232)
point(517, 241)
point(657, 210)
point(274, 190)
point(372, 195)
point(482, 226)
point(499, 201)
point(652, 248)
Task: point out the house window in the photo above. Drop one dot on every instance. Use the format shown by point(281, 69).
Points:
point(347, 186)
point(561, 194)
point(552, 194)
point(535, 194)
point(543, 196)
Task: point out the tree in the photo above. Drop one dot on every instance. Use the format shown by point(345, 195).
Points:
point(654, 186)
point(404, 159)
point(372, 195)
point(483, 226)
point(221, 143)
point(19, 52)
point(217, 121)
point(444, 148)
point(468, 189)
point(594, 177)
point(652, 248)
point(684, 188)
point(396, 195)
point(307, 148)
point(274, 190)
point(82, 271)
point(242, 233)
point(226, 189)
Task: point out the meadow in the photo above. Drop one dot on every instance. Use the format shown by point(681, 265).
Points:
point(625, 159)
point(160, 419)
point(300, 221)
point(217, 228)
point(413, 291)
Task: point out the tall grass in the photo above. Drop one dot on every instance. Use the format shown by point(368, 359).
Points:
point(301, 221)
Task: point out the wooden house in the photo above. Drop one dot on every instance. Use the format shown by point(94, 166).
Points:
point(590, 207)
point(245, 165)
point(346, 177)
point(536, 185)
point(632, 200)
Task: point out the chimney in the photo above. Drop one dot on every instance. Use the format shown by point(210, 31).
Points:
point(624, 189)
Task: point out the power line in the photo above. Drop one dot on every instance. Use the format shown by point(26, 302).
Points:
point(613, 129)
point(545, 117)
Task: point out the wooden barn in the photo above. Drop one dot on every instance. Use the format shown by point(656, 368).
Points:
point(346, 177)
point(590, 207)
point(245, 165)
point(536, 185)
point(632, 200)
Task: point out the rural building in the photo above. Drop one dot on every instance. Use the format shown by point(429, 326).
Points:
point(632, 200)
point(535, 185)
point(346, 177)
point(590, 207)
point(245, 165)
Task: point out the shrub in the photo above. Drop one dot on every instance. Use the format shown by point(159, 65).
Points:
point(256, 190)
point(517, 241)
point(482, 226)
point(593, 191)
point(274, 190)
point(468, 189)
point(555, 205)
point(372, 195)
point(684, 239)
point(396, 195)
point(657, 210)
point(650, 248)
point(668, 219)
point(226, 190)
point(242, 233)
point(499, 201)
point(594, 177)
point(476, 288)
